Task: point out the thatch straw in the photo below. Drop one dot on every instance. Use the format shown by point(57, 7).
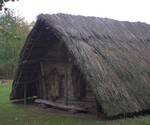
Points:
point(113, 56)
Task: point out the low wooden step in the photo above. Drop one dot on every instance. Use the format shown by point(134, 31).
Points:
point(61, 106)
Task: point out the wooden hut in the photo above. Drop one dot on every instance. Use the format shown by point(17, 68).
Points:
point(86, 63)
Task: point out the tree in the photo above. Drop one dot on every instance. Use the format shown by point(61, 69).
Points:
point(13, 32)
point(2, 3)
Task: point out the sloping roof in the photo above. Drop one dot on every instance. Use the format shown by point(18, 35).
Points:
point(114, 57)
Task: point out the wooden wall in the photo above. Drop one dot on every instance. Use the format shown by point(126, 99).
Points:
point(86, 97)
point(57, 68)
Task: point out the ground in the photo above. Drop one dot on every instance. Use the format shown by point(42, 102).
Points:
point(18, 114)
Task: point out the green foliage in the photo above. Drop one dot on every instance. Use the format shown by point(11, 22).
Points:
point(11, 114)
point(13, 32)
point(2, 3)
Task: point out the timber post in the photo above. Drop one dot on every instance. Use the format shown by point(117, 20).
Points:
point(66, 80)
point(43, 80)
point(25, 93)
point(98, 108)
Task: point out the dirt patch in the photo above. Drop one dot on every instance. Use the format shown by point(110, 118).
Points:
point(2, 81)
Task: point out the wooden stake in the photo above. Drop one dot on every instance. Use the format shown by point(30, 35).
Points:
point(25, 94)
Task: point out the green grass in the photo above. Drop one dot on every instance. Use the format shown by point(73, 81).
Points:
point(11, 114)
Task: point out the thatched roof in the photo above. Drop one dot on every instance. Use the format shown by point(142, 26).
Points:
point(114, 57)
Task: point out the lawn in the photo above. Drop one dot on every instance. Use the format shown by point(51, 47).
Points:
point(11, 114)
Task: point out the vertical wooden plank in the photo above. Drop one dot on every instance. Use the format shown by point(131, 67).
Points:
point(37, 88)
point(40, 87)
point(98, 108)
point(43, 81)
point(70, 85)
point(66, 84)
point(25, 93)
point(68, 79)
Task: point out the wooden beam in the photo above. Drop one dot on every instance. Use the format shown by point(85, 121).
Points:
point(27, 82)
point(54, 59)
point(43, 80)
point(61, 106)
point(30, 61)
